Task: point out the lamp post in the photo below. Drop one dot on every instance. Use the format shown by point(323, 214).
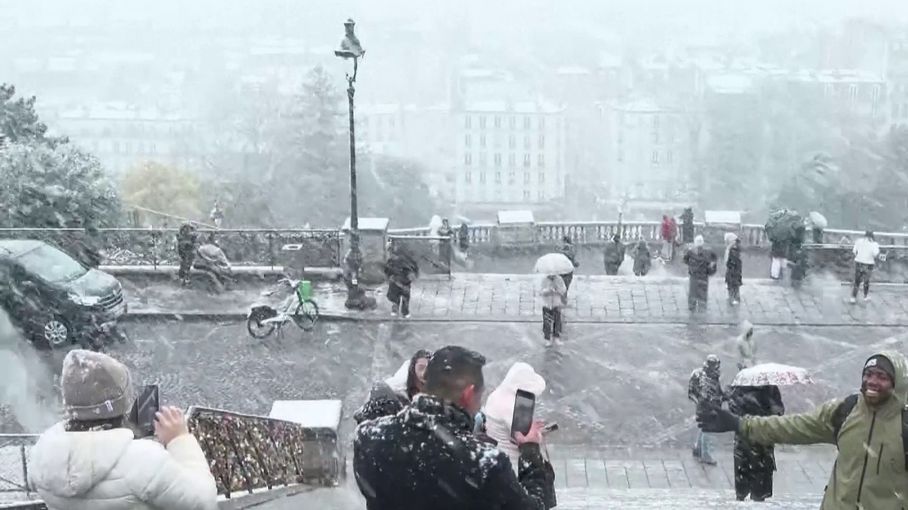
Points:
point(350, 48)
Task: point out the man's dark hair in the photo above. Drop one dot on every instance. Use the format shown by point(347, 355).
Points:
point(452, 369)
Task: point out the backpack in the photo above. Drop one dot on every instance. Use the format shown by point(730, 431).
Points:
point(842, 411)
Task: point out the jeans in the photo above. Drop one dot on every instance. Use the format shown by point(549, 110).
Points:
point(703, 446)
point(551, 322)
point(862, 274)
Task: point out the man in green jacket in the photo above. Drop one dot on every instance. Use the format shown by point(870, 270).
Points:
point(869, 472)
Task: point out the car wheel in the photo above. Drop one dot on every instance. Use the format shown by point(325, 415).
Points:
point(56, 333)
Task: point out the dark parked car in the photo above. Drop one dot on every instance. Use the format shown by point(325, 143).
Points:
point(55, 299)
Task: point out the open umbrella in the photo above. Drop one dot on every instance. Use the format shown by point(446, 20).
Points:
point(772, 374)
point(818, 220)
point(554, 263)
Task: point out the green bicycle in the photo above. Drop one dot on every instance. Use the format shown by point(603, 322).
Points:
point(299, 307)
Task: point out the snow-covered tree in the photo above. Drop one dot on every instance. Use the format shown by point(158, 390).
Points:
point(163, 188)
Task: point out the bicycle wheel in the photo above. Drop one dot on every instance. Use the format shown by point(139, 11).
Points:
point(306, 315)
point(255, 326)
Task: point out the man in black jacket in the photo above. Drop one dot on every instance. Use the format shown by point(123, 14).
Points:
point(427, 458)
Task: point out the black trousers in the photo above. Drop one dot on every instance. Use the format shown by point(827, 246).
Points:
point(551, 322)
point(186, 259)
point(697, 293)
point(862, 274)
point(399, 296)
point(754, 466)
point(734, 291)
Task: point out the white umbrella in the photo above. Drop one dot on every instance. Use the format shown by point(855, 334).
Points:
point(818, 219)
point(772, 374)
point(554, 263)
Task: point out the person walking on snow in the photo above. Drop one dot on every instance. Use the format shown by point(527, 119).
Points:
point(642, 258)
point(747, 347)
point(614, 255)
point(553, 293)
point(734, 272)
point(687, 225)
point(867, 428)
point(187, 243)
point(705, 390)
point(866, 250)
point(669, 232)
point(754, 463)
point(401, 271)
point(701, 264)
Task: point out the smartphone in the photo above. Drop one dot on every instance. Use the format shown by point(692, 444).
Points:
point(145, 408)
point(524, 407)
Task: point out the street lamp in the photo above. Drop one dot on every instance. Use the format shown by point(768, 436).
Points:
point(350, 48)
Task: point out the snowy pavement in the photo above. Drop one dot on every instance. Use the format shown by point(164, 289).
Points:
point(595, 299)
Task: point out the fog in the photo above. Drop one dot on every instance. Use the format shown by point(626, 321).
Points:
point(730, 90)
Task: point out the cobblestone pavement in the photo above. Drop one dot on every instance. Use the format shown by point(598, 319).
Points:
point(621, 299)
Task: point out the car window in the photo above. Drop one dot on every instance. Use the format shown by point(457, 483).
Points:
point(51, 264)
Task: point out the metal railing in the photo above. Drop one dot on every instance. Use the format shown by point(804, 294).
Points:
point(14, 449)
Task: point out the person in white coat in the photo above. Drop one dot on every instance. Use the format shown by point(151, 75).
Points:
point(747, 347)
point(553, 291)
point(92, 460)
point(865, 250)
point(499, 407)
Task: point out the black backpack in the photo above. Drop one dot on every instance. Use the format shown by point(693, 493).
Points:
point(844, 409)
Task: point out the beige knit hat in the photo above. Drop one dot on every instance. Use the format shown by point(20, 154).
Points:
point(95, 386)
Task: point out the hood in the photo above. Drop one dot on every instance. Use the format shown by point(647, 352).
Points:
point(398, 381)
point(70, 464)
point(901, 374)
point(521, 376)
point(94, 283)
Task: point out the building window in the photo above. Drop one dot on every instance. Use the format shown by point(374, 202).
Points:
point(542, 141)
point(482, 177)
point(540, 160)
point(512, 121)
point(655, 158)
point(875, 94)
point(497, 177)
point(467, 177)
point(468, 159)
point(669, 157)
point(116, 147)
point(526, 194)
point(526, 141)
point(512, 176)
point(526, 177)
point(512, 159)
point(154, 149)
point(526, 160)
point(853, 93)
point(828, 90)
point(482, 140)
point(512, 141)
point(467, 121)
point(526, 123)
point(656, 129)
point(482, 159)
point(497, 159)
point(541, 177)
point(482, 122)
point(497, 121)
point(467, 140)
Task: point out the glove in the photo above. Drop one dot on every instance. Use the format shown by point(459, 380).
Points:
point(716, 419)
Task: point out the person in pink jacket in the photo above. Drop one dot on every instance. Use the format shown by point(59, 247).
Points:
point(92, 460)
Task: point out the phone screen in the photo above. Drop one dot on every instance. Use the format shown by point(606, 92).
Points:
point(524, 407)
point(147, 405)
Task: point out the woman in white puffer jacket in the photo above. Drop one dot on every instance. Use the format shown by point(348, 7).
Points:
point(499, 408)
point(92, 461)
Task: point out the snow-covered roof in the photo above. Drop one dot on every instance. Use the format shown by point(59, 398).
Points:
point(730, 83)
point(725, 217)
point(512, 107)
point(379, 224)
point(308, 413)
point(515, 217)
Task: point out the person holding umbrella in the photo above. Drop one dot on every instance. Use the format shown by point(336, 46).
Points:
point(754, 463)
point(554, 294)
point(567, 248)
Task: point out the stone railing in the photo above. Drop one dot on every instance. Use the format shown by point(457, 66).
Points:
point(158, 246)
